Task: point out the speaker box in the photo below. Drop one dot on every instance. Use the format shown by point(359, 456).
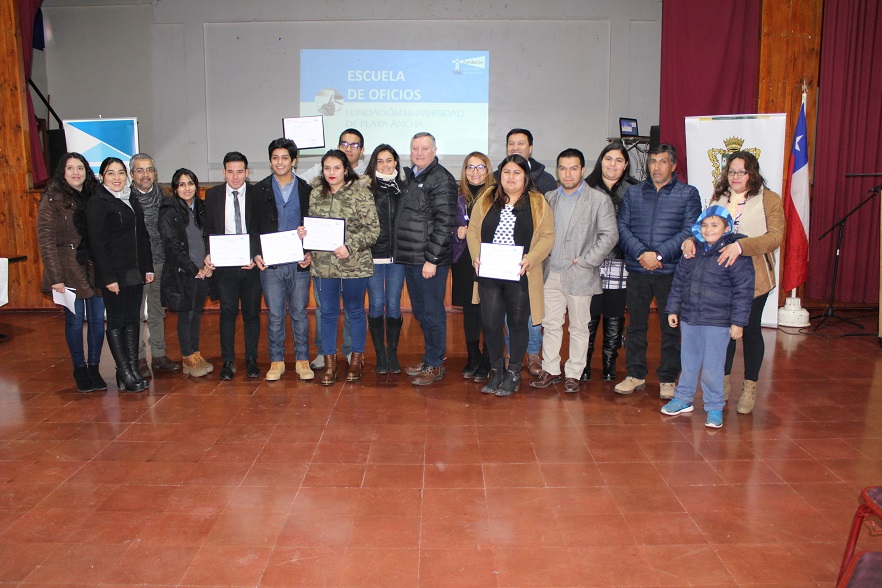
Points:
point(654, 139)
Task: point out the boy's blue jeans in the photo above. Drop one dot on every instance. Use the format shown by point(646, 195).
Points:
point(702, 353)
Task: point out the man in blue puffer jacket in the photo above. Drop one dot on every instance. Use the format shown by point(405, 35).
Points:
point(654, 219)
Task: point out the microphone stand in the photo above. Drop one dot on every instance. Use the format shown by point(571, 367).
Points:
point(830, 311)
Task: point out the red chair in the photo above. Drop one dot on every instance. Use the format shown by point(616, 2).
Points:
point(863, 570)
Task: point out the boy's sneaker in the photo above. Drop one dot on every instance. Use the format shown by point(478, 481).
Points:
point(714, 419)
point(675, 407)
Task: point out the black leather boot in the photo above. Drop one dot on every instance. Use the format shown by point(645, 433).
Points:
point(592, 335)
point(393, 332)
point(125, 378)
point(511, 381)
point(132, 338)
point(473, 361)
point(613, 329)
point(377, 327)
point(497, 372)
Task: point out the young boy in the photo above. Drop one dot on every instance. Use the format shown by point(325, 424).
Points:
point(713, 301)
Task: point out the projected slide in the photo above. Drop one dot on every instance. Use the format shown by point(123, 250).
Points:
point(390, 95)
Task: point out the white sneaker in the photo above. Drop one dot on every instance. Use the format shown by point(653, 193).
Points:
point(629, 385)
point(666, 390)
point(318, 363)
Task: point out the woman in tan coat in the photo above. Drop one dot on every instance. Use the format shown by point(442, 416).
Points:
point(511, 213)
point(67, 263)
point(759, 214)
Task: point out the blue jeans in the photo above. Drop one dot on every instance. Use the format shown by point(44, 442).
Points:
point(329, 290)
point(93, 308)
point(384, 290)
point(347, 335)
point(702, 351)
point(535, 332)
point(286, 289)
point(427, 301)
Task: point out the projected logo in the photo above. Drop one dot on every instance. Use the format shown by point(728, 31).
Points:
point(475, 62)
point(328, 102)
point(99, 138)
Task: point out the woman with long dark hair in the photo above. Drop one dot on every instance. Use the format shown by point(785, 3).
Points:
point(67, 263)
point(474, 179)
point(759, 214)
point(610, 175)
point(346, 269)
point(512, 214)
point(385, 286)
point(184, 275)
point(123, 264)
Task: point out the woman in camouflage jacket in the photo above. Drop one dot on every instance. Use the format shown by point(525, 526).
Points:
point(346, 269)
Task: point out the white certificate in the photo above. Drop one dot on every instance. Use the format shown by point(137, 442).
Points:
point(281, 247)
point(501, 262)
point(230, 250)
point(323, 234)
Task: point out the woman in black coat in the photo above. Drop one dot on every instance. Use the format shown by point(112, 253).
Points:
point(123, 264)
point(612, 177)
point(184, 275)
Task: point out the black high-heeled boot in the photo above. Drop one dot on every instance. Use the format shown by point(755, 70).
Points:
point(125, 378)
point(592, 335)
point(613, 329)
point(473, 361)
point(132, 336)
point(393, 332)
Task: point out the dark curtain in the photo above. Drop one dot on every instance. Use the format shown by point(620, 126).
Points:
point(709, 64)
point(848, 141)
point(27, 14)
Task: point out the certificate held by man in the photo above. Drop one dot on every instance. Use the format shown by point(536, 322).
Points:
point(281, 247)
point(323, 234)
point(501, 262)
point(230, 250)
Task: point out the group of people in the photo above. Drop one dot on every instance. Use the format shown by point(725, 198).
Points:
point(592, 246)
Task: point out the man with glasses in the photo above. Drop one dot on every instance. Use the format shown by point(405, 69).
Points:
point(655, 217)
point(150, 195)
point(352, 144)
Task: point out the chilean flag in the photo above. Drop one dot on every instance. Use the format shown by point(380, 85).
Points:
point(796, 208)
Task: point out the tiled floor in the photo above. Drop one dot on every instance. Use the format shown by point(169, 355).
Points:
point(251, 483)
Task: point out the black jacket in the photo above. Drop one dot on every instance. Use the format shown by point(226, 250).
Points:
point(425, 217)
point(386, 199)
point(179, 270)
point(119, 240)
point(268, 212)
point(215, 208)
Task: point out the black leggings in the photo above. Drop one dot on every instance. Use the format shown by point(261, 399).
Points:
point(472, 323)
point(498, 299)
point(754, 345)
point(123, 308)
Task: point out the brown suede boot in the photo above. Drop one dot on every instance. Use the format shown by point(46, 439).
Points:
point(330, 374)
point(356, 364)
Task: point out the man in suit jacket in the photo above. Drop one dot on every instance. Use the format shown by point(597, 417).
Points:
point(284, 200)
point(585, 229)
point(231, 208)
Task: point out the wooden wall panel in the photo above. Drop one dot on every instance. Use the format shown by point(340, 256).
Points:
point(18, 206)
point(790, 54)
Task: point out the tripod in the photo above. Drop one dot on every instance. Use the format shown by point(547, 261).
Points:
point(830, 311)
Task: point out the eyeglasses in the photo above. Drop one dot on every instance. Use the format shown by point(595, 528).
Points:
point(145, 170)
point(347, 145)
point(738, 174)
point(480, 167)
